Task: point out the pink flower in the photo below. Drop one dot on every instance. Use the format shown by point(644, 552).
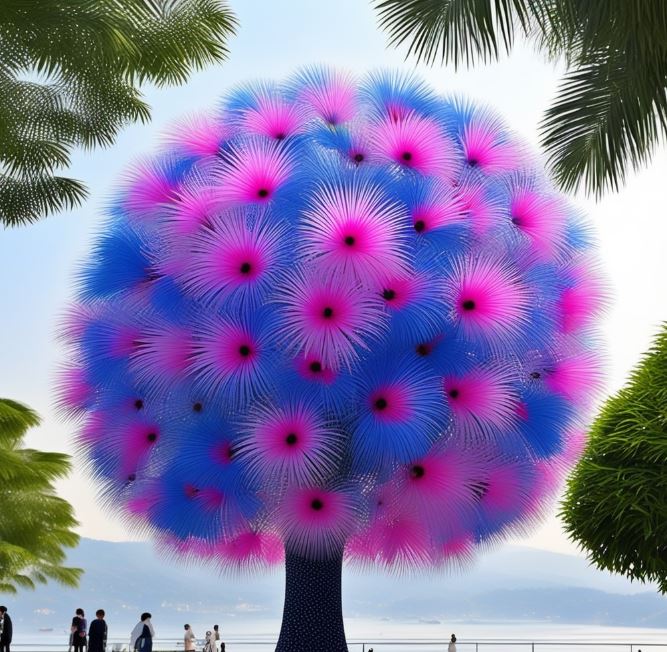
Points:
point(330, 318)
point(354, 230)
point(254, 172)
point(292, 443)
point(416, 143)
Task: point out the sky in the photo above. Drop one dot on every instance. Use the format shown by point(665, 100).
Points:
point(38, 263)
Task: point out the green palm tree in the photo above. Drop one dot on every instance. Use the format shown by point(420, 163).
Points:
point(35, 525)
point(615, 505)
point(611, 107)
point(70, 76)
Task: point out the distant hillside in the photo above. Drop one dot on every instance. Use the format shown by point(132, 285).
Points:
point(511, 584)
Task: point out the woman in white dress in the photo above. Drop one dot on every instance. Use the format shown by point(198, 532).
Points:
point(189, 639)
point(452, 644)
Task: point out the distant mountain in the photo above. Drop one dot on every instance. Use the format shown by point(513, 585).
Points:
point(511, 584)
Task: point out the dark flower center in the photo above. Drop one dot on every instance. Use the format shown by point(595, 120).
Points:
point(389, 294)
point(468, 304)
point(151, 437)
point(280, 136)
point(419, 226)
point(381, 403)
point(406, 156)
point(244, 350)
point(316, 504)
point(423, 349)
point(316, 367)
point(138, 404)
point(349, 240)
point(473, 162)
point(197, 407)
point(358, 158)
point(291, 439)
point(132, 477)
point(535, 375)
point(245, 268)
point(328, 312)
point(262, 192)
point(453, 393)
point(417, 471)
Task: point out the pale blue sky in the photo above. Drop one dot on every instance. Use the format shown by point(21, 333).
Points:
point(37, 263)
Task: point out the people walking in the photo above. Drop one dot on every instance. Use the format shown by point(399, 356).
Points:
point(143, 634)
point(97, 634)
point(78, 630)
point(216, 638)
point(209, 642)
point(452, 644)
point(189, 639)
point(6, 630)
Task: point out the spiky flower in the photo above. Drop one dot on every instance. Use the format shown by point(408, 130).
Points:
point(353, 317)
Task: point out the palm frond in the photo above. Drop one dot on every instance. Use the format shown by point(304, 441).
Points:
point(607, 117)
point(36, 525)
point(454, 31)
point(23, 201)
point(70, 75)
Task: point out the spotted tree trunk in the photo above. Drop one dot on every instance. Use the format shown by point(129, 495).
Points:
point(313, 612)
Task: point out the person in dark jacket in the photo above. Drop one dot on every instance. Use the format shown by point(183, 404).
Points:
point(6, 629)
point(79, 628)
point(97, 634)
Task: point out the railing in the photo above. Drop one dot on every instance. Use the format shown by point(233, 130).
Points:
point(391, 645)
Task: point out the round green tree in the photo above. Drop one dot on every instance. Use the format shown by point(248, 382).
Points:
point(35, 524)
point(616, 500)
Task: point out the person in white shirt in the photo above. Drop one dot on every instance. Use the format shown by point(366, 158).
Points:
point(189, 639)
point(143, 634)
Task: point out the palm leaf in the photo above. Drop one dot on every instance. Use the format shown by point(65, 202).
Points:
point(87, 60)
point(36, 525)
point(606, 117)
point(455, 31)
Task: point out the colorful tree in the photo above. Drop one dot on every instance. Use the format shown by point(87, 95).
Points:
point(337, 320)
point(616, 500)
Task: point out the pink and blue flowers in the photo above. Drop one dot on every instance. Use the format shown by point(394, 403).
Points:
point(336, 316)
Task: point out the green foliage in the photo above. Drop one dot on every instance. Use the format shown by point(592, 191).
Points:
point(611, 108)
point(70, 72)
point(35, 525)
point(616, 500)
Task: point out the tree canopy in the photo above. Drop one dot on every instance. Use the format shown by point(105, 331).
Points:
point(35, 524)
point(616, 500)
point(70, 76)
point(611, 106)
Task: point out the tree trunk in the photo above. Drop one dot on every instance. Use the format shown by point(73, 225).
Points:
point(313, 612)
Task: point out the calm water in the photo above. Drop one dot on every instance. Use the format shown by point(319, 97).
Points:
point(392, 636)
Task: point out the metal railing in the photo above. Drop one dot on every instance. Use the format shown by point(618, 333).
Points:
point(390, 645)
